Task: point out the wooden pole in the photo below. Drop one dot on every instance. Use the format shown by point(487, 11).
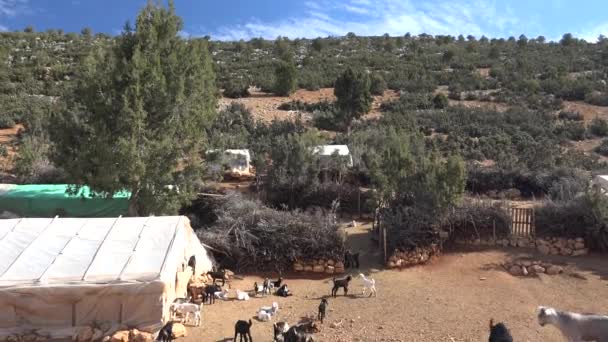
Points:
point(384, 241)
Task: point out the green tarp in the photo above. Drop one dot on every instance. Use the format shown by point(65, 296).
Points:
point(49, 200)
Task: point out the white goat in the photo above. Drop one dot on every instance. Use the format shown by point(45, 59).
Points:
point(266, 312)
point(240, 295)
point(185, 310)
point(221, 294)
point(368, 283)
point(574, 326)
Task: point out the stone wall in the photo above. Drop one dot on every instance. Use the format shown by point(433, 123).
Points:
point(553, 246)
point(420, 255)
point(319, 266)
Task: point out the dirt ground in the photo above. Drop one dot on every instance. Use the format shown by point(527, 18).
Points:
point(452, 299)
point(264, 106)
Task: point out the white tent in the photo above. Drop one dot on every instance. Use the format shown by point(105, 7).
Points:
point(57, 275)
point(327, 151)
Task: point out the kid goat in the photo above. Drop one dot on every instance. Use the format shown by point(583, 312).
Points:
point(574, 326)
point(368, 283)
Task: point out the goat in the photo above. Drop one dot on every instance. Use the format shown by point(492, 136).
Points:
point(257, 289)
point(222, 294)
point(296, 334)
point(280, 329)
point(276, 284)
point(210, 291)
point(338, 283)
point(368, 283)
point(215, 275)
point(166, 333)
point(267, 286)
point(192, 263)
point(351, 259)
point(575, 326)
point(283, 291)
point(243, 328)
point(266, 312)
point(499, 333)
point(322, 307)
point(183, 300)
point(185, 310)
point(240, 295)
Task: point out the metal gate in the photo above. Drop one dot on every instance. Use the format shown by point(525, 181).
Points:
point(522, 222)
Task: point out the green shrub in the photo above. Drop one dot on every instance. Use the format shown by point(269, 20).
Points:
point(599, 127)
point(3, 151)
point(572, 116)
point(573, 130)
point(597, 98)
point(378, 85)
point(6, 121)
point(603, 148)
point(285, 78)
point(236, 88)
point(440, 101)
point(325, 120)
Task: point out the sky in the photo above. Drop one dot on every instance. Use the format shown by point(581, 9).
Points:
point(246, 19)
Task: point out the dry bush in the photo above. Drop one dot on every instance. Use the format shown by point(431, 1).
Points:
point(249, 236)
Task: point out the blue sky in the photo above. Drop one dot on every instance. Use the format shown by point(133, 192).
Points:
point(245, 19)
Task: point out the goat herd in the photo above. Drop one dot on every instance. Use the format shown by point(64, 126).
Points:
point(574, 327)
point(282, 331)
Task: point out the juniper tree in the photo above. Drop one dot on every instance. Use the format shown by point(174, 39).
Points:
point(137, 118)
point(352, 91)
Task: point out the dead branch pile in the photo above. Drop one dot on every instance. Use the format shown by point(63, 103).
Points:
point(477, 220)
point(249, 236)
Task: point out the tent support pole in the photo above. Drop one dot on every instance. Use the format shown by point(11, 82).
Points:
point(60, 253)
point(84, 276)
point(12, 229)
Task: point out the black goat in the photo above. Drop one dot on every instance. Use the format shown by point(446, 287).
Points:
point(166, 333)
point(499, 333)
point(298, 333)
point(277, 283)
point(283, 291)
point(243, 328)
point(221, 274)
point(210, 291)
point(192, 263)
point(322, 308)
point(280, 329)
point(351, 259)
point(338, 283)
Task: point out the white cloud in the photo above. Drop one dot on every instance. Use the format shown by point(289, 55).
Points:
point(12, 8)
point(396, 17)
point(593, 33)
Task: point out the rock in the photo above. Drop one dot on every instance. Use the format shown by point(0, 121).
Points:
point(29, 338)
point(579, 245)
point(329, 269)
point(477, 242)
point(84, 334)
point(554, 251)
point(526, 263)
point(544, 249)
point(566, 251)
point(524, 270)
point(318, 269)
point(338, 269)
point(513, 243)
point(298, 267)
point(515, 270)
point(339, 264)
point(331, 262)
point(106, 339)
point(97, 335)
point(393, 258)
point(308, 268)
point(482, 278)
point(580, 252)
point(553, 270)
point(140, 336)
point(121, 336)
point(536, 269)
point(179, 330)
point(390, 264)
point(579, 240)
point(522, 243)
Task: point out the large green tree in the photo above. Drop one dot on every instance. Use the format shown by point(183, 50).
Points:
point(286, 80)
point(352, 90)
point(138, 116)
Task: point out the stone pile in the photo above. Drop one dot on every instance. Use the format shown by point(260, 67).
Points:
point(554, 246)
point(319, 266)
point(525, 268)
point(417, 256)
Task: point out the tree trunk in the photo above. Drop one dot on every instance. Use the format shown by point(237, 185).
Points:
point(133, 203)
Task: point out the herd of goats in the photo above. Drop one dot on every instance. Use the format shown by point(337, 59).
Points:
point(575, 327)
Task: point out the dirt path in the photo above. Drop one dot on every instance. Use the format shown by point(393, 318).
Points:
point(450, 300)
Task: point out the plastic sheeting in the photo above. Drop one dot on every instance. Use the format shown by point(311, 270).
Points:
point(68, 272)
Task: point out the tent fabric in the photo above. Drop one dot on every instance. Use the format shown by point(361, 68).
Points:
point(67, 272)
point(49, 200)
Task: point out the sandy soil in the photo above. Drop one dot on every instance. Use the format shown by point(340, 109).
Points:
point(8, 137)
point(452, 299)
point(588, 111)
point(265, 106)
